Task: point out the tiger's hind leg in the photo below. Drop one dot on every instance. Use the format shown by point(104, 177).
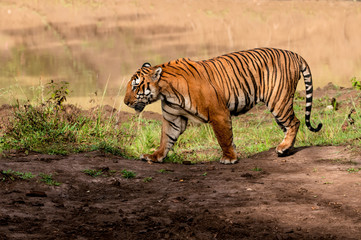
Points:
point(281, 125)
point(288, 122)
point(290, 128)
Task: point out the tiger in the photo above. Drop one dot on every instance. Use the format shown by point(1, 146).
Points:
point(212, 91)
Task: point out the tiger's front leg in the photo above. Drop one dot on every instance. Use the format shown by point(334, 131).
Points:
point(172, 128)
point(222, 127)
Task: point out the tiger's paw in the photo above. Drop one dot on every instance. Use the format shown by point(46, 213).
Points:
point(282, 152)
point(228, 161)
point(151, 158)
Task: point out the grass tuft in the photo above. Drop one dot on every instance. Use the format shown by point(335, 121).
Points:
point(48, 179)
point(14, 175)
point(127, 174)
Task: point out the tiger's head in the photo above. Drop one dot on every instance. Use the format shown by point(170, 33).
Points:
point(142, 89)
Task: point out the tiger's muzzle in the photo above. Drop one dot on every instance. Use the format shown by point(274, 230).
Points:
point(139, 106)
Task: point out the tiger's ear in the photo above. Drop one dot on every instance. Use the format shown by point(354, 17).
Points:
point(146, 65)
point(156, 74)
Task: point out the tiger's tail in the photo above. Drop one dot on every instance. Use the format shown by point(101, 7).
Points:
point(306, 72)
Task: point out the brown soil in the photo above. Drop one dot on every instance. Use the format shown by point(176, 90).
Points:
point(309, 195)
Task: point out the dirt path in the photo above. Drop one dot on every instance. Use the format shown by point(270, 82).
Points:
point(309, 195)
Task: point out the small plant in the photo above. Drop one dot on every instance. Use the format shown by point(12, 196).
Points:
point(105, 172)
point(353, 170)
point(93, 172)
point(127, 174)
point(147, 179)
point(25, 175)
point(48, 179)
point(204, 174)
point(356, 84)
point(58, 93)
point(256, 169)
point(12, 175)
point(164, 171)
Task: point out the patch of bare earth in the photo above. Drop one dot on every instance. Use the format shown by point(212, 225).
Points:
point(309, 195)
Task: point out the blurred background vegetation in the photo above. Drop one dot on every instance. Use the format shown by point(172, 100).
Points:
point(95, 44)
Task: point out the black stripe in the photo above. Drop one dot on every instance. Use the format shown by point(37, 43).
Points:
point(171, 138)
point(272, 81)
point(210, 79)
point(251, 75)
point(235, 80)
point(179, 96)
point(169, 73)
point(186, 67)
point(191, 65)
point(169, 112)
point(256, 69)
point(242, 73)
point(173, 125)
point(225, 79)
point(267, 78)
point(309, 91)
point(218, 75)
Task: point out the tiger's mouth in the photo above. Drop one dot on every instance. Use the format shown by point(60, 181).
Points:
point(139, 107)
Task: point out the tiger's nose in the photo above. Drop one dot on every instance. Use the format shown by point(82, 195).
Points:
point(126, 101)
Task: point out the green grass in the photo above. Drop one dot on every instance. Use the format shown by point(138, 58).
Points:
point(128, 174)
point(93, 172)
point(48, 179)
point(13, 175)
point(353, 170)
point(47, 127)
point(147, 179)
point(163, 170)
point(256, 169)
point(105, 172)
